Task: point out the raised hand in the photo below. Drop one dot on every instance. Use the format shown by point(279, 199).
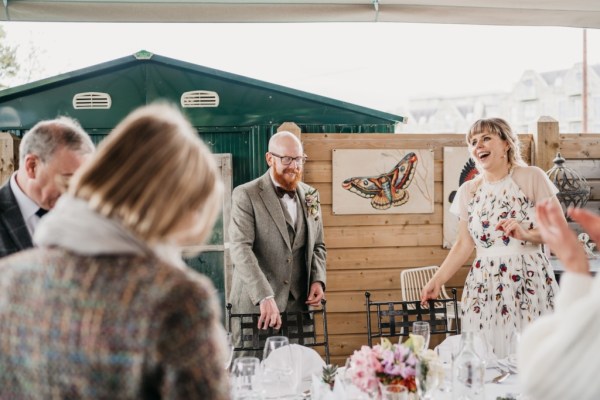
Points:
point(562, 240)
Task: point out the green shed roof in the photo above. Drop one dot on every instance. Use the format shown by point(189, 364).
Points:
point(145, 77)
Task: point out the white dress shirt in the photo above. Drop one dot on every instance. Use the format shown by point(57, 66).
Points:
point(290, 203)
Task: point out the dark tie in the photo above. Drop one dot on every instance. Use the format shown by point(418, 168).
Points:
point(282, 192)
point(41, 212)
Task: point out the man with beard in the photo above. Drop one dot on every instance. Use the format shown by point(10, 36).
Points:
point(276, 235)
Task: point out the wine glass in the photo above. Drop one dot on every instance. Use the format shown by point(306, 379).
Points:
point(513, 348)
point(428, 378)
point(279, 377)
point(229, 349)
point(422, 328)
point(394, 392)
point(484, 348)
point(446, 372)
point(246, 376)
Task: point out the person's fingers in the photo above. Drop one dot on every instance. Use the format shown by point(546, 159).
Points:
point(555, 216)
point(542, 215)
point(275, 321)
point(589, 221)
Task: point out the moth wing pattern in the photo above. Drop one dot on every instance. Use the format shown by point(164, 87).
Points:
point(386, 189)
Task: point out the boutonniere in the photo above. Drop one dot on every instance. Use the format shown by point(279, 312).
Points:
point(312, 203)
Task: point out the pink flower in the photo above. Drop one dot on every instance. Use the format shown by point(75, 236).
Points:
point(384, 363)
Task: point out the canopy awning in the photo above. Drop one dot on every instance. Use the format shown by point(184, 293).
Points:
point(568, 13)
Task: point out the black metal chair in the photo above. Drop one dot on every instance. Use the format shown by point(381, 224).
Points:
point(395, 318)
point(298, 326)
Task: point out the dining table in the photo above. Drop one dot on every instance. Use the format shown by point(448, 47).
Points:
point(501, 381)
point(498, 384)
point(506, 389)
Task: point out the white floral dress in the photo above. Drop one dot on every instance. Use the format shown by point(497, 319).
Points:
point(511, 282)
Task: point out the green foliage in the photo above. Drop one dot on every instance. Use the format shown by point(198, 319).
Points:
point(329, 373)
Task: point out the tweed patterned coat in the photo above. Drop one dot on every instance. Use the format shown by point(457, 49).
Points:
point(260, 245)
point(107, 327)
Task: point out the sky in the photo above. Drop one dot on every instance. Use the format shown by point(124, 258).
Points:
point(377, 65)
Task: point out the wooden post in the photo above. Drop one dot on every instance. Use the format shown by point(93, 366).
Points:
point(9, 155)
point(546, 142)
point(291, 127)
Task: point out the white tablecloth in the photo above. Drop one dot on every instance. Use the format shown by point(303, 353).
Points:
point(510, 386)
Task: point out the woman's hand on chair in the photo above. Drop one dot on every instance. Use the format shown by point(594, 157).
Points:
point(430, 291)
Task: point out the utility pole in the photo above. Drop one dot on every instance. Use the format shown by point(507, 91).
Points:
point(584, 99)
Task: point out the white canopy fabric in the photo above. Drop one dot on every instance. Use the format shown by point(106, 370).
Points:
point(568, 13)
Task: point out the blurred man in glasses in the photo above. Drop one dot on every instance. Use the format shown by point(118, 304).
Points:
point(276, 235)
point(49, 154)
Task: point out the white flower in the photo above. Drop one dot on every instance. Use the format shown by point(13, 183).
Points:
point(312, 202)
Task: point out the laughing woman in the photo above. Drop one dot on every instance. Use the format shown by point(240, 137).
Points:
point(511, 282)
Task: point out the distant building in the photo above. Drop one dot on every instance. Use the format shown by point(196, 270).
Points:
point(557, 94)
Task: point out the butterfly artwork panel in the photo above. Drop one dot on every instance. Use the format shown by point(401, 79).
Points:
point(382, 181)
point(458, 168)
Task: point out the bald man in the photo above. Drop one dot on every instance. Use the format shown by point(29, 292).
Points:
point(276, 235)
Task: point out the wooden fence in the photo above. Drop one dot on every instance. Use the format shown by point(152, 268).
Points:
point(368, 252)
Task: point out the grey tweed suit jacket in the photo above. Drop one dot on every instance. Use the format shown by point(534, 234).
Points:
point(14, 235)
point(260, 246)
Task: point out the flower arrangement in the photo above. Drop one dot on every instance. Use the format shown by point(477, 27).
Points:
point(312, 202)
point(389, 364)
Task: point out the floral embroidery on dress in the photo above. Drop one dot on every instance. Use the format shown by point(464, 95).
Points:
point(510, 283)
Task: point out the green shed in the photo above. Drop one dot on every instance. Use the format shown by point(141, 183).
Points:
point(235, 115)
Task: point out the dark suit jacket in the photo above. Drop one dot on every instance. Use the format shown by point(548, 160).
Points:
point(14, 235)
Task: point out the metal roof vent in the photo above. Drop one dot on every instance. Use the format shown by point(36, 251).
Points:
point(199, 99)
point(92, 101)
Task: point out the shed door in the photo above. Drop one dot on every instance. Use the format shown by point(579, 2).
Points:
point(213, 261)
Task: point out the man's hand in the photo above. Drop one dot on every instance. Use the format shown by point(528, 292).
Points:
point(269, 315)
point(315, 294)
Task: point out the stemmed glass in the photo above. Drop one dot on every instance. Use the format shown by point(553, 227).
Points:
point(422, 328)
point(229, 349)
point(428, 378)
point(513, 348)
point(279, 377)
point(445, 384)
point(246, 373)
point(394, 392)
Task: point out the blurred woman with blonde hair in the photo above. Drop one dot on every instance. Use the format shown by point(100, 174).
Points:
point(105, 307)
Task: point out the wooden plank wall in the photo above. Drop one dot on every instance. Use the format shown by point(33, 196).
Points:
point(368, 252)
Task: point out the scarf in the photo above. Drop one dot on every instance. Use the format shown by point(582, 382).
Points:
point(74, 226)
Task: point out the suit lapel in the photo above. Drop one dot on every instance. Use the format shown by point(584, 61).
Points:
point(273, 206)
point(12, 219)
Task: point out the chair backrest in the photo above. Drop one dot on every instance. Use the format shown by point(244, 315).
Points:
point(299, 327)
point(395, 318)
point(413, 280)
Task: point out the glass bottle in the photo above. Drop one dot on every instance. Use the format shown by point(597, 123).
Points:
point(468, 371)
